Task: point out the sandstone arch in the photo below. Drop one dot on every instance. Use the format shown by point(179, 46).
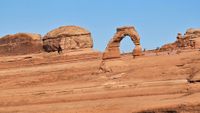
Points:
point(112, 49)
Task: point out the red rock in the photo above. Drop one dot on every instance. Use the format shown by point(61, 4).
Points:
point(112, 50)
point(67, 38)
point(20, 43)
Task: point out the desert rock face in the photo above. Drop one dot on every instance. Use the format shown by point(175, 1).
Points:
point(67, 38)
point(112, 50)
point(20, 43)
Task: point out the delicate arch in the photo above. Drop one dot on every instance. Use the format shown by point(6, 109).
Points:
point(112, 49)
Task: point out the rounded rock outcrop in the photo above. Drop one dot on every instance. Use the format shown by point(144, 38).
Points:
point(67, 38)
point(20, 43)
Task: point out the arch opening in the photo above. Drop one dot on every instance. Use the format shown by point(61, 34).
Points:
point(126, 45)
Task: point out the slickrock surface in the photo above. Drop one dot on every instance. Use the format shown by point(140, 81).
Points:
point(72, 83)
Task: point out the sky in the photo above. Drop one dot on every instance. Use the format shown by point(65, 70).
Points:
point(156, 21)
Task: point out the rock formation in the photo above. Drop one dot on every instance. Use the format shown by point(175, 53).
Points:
point(192, 36)
point(191, 39)
point(103, 68)
point(112, 50)
point(20, 43)
point(67, 38)
point(168, 47)
point(192, 33)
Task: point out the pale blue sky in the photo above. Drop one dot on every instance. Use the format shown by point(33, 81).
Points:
point(157, 21)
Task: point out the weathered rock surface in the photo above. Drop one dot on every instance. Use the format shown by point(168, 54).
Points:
point(194, 35)
point(112, 50)
point(20, 43)
point(168, 47)
point(68, 83)
point(67, 38)
point(191, 39)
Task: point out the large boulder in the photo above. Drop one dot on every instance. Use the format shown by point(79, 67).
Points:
point(67, 38)
point(193, 33)
point(20, 43)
